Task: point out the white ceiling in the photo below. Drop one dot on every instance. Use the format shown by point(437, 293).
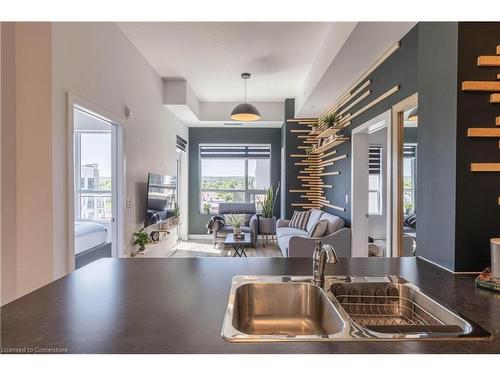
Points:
point(313, 62)
point(212, 55)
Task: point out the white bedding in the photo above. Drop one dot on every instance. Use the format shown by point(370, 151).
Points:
point(89, 234)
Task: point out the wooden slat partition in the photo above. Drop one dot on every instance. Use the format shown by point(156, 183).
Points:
point(485, 167)
point(495, 98)
point(480, 86)
point(334, 207)
point(488, 61)
point(330, 173)
point(483, 132)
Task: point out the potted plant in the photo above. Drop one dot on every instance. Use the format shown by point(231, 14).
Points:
point(177, 213)
point(206, 208)
point(310, 149)
point(236, 220)
point(141, 238)
point(267, 221)
point(330, 120)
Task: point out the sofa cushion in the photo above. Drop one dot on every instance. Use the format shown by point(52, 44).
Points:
point(287, 231)
point(319, 229)
point(299, 219)
point(334, 222)
point(314, 217)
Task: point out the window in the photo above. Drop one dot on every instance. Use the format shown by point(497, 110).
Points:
point(375, 180)
point(233, 173)
point(93, 158)
point(409, 180)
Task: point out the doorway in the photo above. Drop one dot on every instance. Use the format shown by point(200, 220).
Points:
point(404, 165)
point(96, 174)
point(371, 188)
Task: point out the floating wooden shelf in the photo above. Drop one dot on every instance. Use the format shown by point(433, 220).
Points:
point(480, 86)
point(332, 131)
point(485, 167)
point(497, 121)
point(334, 143)
point(334, 207)
point(488, 61)
point(330, 173)
point(483, 132)
point(495, 98)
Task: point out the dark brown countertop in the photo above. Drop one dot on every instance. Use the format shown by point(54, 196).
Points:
point(178, 305)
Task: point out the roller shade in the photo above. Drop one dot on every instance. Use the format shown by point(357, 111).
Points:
point(239, 152)
point(375, 159)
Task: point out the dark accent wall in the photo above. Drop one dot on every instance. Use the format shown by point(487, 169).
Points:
point(437, 75)
point(197, 220)
point(399, 69)
point(477, 209)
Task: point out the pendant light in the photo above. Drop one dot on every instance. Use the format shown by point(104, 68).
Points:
point(245, 111)
point(413, 115)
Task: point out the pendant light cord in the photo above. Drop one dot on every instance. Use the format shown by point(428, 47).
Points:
point(245, 91)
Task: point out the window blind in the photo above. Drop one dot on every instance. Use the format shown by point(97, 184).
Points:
point(375, 159)
point(409, 151)
point(181, 143)
point(239, 152)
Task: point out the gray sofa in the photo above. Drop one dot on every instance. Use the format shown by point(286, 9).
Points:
point(238, 208)
point(294, 242)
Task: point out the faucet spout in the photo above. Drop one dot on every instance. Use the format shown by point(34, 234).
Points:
point(322, 254)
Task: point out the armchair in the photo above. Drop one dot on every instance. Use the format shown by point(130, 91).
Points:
point(237, 208)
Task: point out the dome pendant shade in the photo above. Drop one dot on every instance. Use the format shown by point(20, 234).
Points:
point(245, 112)
point(413, 115)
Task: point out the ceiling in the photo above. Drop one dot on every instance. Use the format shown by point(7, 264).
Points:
point(212, 55)
point(313, 62)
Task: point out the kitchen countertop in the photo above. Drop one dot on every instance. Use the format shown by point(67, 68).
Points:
point(149, 305)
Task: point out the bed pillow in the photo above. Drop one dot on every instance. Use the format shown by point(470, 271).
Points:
point(299, 219)
point(318, 229)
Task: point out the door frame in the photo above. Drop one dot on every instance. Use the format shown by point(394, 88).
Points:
point(359, 193)
point(397, 170)
point(118, 165)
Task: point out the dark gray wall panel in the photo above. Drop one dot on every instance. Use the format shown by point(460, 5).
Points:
point(437, 62)
point(477, 209)
point(197, 221)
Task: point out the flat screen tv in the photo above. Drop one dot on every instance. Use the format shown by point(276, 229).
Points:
point(161, 198)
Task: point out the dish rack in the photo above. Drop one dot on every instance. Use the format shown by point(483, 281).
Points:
point(388, 309)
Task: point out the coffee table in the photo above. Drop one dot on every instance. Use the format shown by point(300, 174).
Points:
point(238, 244)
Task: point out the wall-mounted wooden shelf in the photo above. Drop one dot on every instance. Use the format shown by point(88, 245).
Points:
point(331, 131)
point(480, 86)
point(495, 98)
point(485, 167)
point(483, 132)
point(488, 61)
point(334, 207)
point(333, 143)
point(497, 121)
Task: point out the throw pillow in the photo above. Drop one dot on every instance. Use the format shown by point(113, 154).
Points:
point(299, 219)
point(319, 229)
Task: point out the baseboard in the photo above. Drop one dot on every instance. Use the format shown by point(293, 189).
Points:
point(446, 269)
point(199, 236)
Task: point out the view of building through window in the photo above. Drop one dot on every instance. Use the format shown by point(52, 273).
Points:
point(95, 176)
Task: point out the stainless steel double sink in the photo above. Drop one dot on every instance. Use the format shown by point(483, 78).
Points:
point(291, 308)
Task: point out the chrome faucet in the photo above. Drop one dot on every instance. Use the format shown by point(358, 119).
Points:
point(322, 254)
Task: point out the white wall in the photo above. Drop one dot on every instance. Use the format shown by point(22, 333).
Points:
point(97, 63)
point(26, 158)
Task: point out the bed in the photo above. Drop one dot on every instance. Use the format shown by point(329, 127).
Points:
point(90, 242)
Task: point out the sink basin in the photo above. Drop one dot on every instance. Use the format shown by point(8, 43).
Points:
point(291, 308)
point(274, 310)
